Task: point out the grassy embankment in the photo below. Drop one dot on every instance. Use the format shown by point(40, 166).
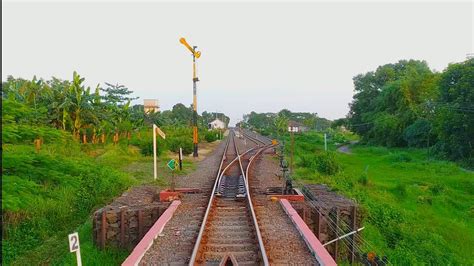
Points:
point(49, 194)
point(418, 210)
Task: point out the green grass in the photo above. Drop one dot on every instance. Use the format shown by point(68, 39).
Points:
point(48, 195)
point(90, 254)
point(417, 210)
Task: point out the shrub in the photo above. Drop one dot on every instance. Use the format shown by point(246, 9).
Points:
point(363, 179)
point(47, 194)
point(326, 163)
point(211, 136)
point(425, 199)
point(437, 189)
point(419, 133)
point(400, 157)
point(339, 138)
point(146, 146)
point(307, 160)
point(183, 142)
point(401, 189)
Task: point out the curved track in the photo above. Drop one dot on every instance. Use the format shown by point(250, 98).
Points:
point(230, 226)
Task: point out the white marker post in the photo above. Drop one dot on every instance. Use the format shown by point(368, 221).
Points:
point(180, 159)
point(74, 246)
point(325, 143)
point(154, 152)
point(162, 134)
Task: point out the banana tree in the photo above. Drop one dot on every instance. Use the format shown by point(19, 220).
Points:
point(81, 110)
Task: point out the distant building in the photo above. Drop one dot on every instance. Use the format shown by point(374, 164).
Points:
point(216, 124)
point(294, 126)
point(343, 129)
point(150, 105)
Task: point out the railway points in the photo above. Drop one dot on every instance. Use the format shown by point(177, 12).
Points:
point(231, 218)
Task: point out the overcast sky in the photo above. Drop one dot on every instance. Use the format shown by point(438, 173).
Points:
point(255, 56)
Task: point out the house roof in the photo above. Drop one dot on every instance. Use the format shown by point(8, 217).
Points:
point(217, 120)
point(292, 123)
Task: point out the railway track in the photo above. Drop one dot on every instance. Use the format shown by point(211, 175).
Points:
point(229, 228)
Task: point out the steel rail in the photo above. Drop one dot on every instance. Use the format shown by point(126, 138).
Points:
point(254, 139)
point(219, 177)
point(249, 202)
point(220, 173)
point(252, 211)
point(201, 230)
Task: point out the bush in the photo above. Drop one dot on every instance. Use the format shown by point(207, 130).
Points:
point(419, 133)
point(183, 142)
point(146, 146)
point(326, 163)
point(212, 135)
point(339, 138)
point(307, 160)
point(400, 157)
point(437, 189)
point(48, 194)
point(401, 189)
point(363, 179)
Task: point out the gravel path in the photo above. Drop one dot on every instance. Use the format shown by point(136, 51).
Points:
point(282, 241)
point(346, 148)
point(283, 244)
point(175, 245)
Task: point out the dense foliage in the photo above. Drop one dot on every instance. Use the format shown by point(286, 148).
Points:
point(273, 123)
point(94, 117)
point(50, 192)
point(416, 210)
point(406, 104)
point(63, 149)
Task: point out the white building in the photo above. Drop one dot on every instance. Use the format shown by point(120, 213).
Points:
point(150, 105)
point(294, 126)
point(216, 124)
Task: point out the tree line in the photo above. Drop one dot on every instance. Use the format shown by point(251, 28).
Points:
point(406, 104)
point(271, 123)
point(33, 109)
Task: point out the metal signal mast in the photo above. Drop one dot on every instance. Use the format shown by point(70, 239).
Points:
point(196, 54)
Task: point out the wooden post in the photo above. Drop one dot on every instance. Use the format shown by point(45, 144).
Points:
point(122, 226)
point(37, 143)
point(336, 223)
point(140, 225)
point(354, 227)
point(318, 225)
point(103, 228)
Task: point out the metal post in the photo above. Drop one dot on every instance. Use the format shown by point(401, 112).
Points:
point(196, 54)
point(78, 257)
point(354, 228)
point(292, 151)
point(155, 171)
point(336, 222)
point(195, 129)
point(180, 159)
point(325, 143)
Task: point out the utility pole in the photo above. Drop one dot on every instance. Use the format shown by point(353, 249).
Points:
point(292, 150)
point(196, 54)
point(325, 142)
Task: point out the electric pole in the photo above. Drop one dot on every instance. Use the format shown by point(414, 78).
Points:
point(196, 54)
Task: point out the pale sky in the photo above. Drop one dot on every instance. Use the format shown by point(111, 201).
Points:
point(255, 56)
